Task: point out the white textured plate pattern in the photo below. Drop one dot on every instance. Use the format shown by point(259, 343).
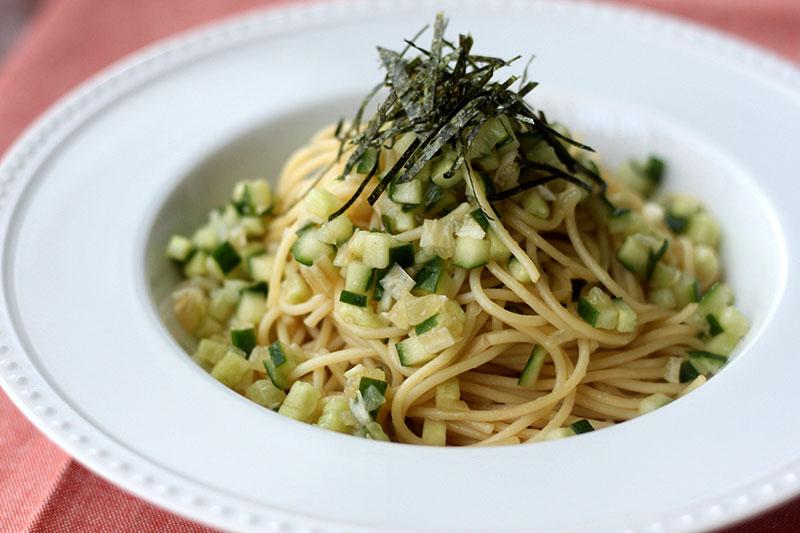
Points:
point(89, 193)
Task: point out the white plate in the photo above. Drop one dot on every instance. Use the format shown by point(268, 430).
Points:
point(91, 191)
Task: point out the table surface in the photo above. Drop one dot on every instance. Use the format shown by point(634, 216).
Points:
point(49, 46)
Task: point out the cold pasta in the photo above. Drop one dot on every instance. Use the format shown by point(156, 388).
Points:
point(456, 270)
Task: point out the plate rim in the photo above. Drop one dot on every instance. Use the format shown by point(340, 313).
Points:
point(127, 73)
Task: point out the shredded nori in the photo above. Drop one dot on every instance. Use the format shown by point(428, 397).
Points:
point(444, 95)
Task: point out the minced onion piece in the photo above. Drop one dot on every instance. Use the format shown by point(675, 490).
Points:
point(672, 371)
point(438, 236)
point(653, 213)
point(397, 282)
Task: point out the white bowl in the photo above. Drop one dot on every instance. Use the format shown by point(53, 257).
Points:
point(90, 194)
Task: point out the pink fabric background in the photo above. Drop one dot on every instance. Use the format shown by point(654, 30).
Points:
point(41, 488)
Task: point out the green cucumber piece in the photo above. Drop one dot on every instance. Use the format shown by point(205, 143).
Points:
point(226, 257)
point(353, 298)
point(530, 372)
point(244, 339)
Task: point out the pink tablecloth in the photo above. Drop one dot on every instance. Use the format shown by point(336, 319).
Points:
point(41, 488)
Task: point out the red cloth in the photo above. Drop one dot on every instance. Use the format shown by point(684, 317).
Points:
point(41, 488)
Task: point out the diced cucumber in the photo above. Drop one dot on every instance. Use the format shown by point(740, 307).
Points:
point(653, 402)
point(434, 432)
point(470, 252)
point(534, 204)
point(412, 352)
point(437, 339)
point(640, 254)
point(336, 415)
point(295, 288)
point(686, 290)
point(626, 222)
point(402, 255)
point(654, 257)
point(418, 309)
point(442, 172)
point(301, 402)
point(688, 372)
point(626, 317)
point(581, 426)
point(675, 222)
point(518, 271)
point(664, 276)
point(244, 339)
point(634, 252)
point(684, 206)
point(429, 278)
point(402, 143)
point(587, 311)
point(703, 229)
point(253, 226)
point(642, 177)
point(359, 316)
point(252, 197)
point(714, 327)
point(205, 238)
point(498, 252)
point(210, 351)
point(208, 328)
point(321, 203)
point(336, 231)
point(706, 263)
point(223, 303)
point(260, 266)
point(353, 298)
point(492, 134)
point(399, 221)
point(264, 393)
point(179, 248)
point(734, 322)
point(231, 369)
point(597, 309)
point(213, 270)
point(308, 248)
point(373, 394)
point(663, 298)
point(480, 217)
point(715, 300)
point(375, 250)
point(427, 324)
point(367, 161)
point(535, 149)
point(559, 433)
point(252, 306)
point(196, 266)
point(448, 394)
point(723, 344)
point(358, 278)
point(408, 193)
point(706, 362)
point(282, 360)
point(226, 257)
point(532, 368)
